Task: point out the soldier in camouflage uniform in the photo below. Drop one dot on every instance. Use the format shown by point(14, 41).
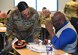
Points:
point(45, 17)
point(23, 23)
point(71, 11)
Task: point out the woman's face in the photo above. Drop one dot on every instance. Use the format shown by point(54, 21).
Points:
point(25, 13)
point(57, 23)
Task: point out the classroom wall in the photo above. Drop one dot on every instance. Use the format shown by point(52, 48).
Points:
point(61, 4)
point(5, 5)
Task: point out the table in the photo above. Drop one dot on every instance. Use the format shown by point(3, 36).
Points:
point(29, 52)
point(26, 51)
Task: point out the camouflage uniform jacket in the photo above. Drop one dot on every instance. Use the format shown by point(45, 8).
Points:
point(23, 28)
point(71, 9)
point(44, 19)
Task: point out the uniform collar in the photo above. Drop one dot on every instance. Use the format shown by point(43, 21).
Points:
point(61, 26)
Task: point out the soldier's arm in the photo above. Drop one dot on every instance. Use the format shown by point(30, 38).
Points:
point(9, 25)
point(9, 40)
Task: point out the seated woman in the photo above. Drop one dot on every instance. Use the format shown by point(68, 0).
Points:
point(65, 36)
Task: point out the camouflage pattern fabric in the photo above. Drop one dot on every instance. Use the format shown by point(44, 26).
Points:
point(21, 27)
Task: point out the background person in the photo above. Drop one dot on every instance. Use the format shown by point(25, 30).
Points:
point(71, 11)
point(44, 17)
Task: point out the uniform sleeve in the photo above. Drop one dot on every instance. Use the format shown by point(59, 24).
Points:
point(11, 27)
point(68, 36)
point(9, 36)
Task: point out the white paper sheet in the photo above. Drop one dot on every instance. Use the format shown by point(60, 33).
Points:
point(37, 48)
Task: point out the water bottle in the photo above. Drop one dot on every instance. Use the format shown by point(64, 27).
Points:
point(49, 48)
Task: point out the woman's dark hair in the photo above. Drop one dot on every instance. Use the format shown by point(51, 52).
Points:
point(22, 6)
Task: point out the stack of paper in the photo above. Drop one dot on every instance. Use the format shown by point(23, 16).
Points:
point(37, 48)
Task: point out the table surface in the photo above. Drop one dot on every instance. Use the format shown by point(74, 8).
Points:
point(26, 51)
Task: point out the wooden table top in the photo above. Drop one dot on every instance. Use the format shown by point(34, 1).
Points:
point(26, 51)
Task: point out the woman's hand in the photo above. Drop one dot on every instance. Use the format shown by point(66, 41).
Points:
point(49, 27)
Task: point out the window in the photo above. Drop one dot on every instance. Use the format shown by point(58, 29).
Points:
point(49, 4)
point(39, 4)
